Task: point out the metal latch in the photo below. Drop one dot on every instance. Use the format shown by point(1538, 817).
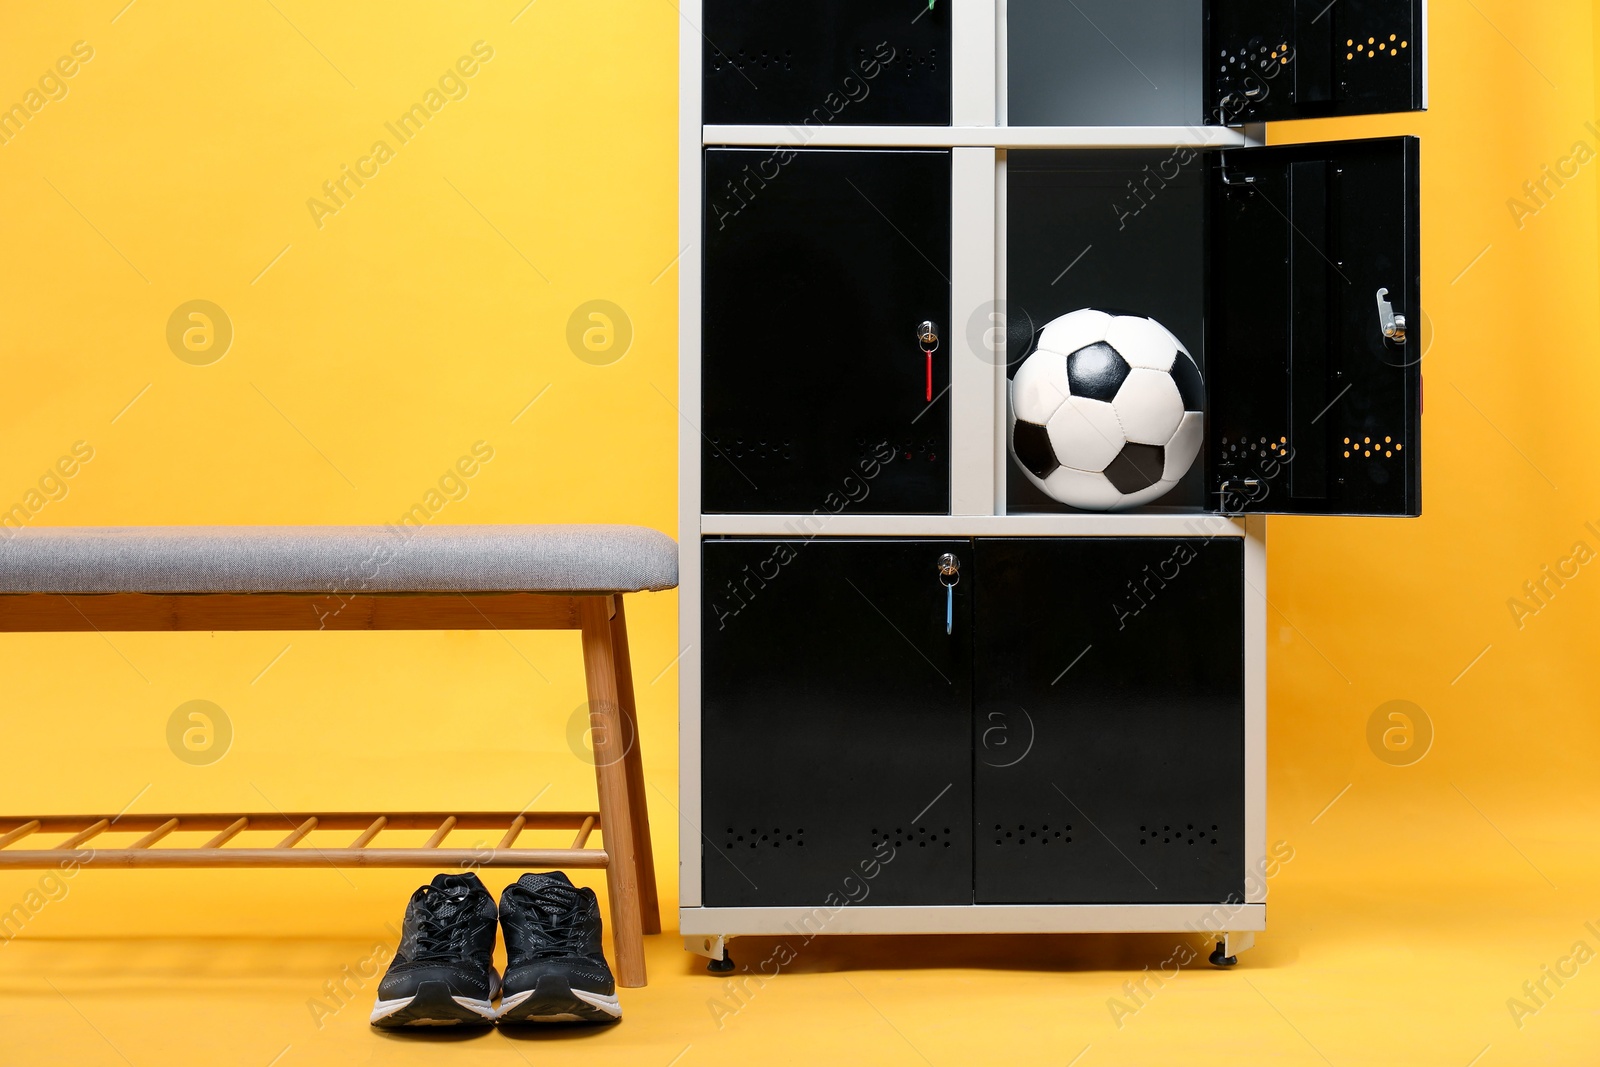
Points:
point(1394, 326)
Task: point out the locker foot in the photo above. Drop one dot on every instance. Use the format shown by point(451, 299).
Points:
point(715, 949)
point(1227, 951)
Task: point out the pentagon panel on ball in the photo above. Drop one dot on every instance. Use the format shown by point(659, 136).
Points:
point(1107, 412)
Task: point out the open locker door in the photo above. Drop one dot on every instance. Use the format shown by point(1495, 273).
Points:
point(1313, 338)
point(1268, 60)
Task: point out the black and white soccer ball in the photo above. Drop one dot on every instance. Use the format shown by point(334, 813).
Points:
point(1108, 411)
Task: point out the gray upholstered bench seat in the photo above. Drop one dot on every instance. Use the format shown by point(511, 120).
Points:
point(566, 560)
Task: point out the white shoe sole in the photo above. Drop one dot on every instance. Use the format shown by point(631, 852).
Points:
point(385, 1008)
point(437, 1010)
point(607, 1003)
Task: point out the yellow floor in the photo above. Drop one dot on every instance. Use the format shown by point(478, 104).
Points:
point(1397, 964)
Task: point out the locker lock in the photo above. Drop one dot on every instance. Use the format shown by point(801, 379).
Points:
point(1394, 326)
point(928, 341)
point(949, 575)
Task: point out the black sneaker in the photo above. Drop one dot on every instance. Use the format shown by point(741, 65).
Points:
point(443, 971)
point(555, 970)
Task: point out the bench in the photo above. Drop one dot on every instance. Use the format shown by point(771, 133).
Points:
point(364, 578)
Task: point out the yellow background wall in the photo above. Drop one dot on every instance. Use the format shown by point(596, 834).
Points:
point(425, 315)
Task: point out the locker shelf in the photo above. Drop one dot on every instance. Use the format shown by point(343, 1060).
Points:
point(984, 136)
point(1075, 524)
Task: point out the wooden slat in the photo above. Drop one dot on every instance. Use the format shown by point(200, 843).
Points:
point(298, 833)
point(19, 833)
point(366, 836)
point(583, 833)
point(232, 828)
point(74, 613)
point(436, 858)
point(516, 828)
point(79, 838)
point(343, 820)
point(156, 835)
point(440, 834)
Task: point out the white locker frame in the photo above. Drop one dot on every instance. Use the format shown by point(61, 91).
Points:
point(978, 139)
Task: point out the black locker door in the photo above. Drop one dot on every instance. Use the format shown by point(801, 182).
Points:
point(819, 266)
point(836, 724)
point(1313, 410)
point(826, 62)
point(1268, 60)
point(1109, 721)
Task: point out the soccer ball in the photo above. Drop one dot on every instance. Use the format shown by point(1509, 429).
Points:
point(1107, 413)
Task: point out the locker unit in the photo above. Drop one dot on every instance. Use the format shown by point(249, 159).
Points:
point(791, 311)
point(1271, 264)
point(917, 695)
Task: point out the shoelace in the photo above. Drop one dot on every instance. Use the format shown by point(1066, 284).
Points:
point(441, 922)
point(558, 935)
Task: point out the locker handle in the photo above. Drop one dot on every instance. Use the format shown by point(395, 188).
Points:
point(1393, 326)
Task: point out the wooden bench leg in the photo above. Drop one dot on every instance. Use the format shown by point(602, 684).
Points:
point(638, 804)
point(611, 780)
